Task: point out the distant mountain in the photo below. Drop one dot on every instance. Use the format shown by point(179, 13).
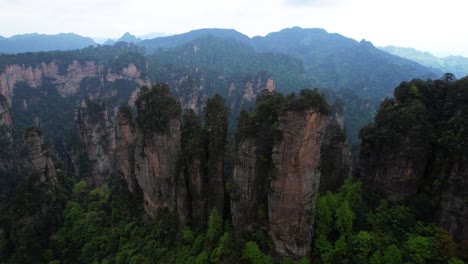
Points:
point(153, 35)
point(41, 42)
point(176, 40)
point(109, 42)
point(457, 65)
point(335, 61)
point(129, 38)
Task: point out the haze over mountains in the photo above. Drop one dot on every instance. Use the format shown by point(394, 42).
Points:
point(68, 41)
point(457, 65)
point(41, 42)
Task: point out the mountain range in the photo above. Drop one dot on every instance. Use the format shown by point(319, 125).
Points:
point(34, 42)
point(457, 65)
point(40, 42)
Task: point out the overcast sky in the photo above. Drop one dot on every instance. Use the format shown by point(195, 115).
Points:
point(440, 27)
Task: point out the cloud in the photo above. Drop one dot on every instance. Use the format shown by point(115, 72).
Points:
point(313, 3)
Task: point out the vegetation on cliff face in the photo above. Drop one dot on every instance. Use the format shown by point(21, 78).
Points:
point(156, 107)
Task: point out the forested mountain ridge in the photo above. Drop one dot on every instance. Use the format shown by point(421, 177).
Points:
point(332, 60)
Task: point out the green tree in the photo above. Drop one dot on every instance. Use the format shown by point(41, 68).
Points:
point(362, 246)
point(418, 249)
point(215, 226)
point(156, 107)
point(254, 255)
point(392, 255)
point(344, 218)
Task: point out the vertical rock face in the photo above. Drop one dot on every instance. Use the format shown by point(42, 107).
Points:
point(453, 210)
point(295, 181)
point(417, 147)
point(125, 149)
point(41, 164)
point(394, 170)
point(156, 157)
point(336, 159)
point(196, 186)
point(5, 116)
point(245, 187)
point(216, 126)
point(94, 159)
point(157, 150)
point(67, 82)
point(11, 158)
point(395, 149)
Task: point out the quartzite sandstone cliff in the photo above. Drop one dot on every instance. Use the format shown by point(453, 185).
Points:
point(93, 158)
point(41, 163)
point(295, 181)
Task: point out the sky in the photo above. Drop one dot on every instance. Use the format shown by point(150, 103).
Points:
point(440, 27)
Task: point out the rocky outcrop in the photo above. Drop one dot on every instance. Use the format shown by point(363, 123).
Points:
point(12, 160)
point(253, 87)
point(157, 150)
point(295, 181)
point(216, 125)
point(281, 146)
point(453, 210)
point(417, 148)
point(68, 81)
point(336, 159)
point(5, 116)
point(41, 163)
point(395, 171)
point(246, 194)
point(156, 157)
point(125, 149)
point(395, 150)
point(195, 177)
point(94, 158)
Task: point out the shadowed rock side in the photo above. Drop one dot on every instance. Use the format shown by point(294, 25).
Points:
point(193, 162)
point(394, 170)
point(5, 116)
point(216, 126)
point(453, 210)
point(41, 164)
point(93, 159)
point(394, 153)
point(12, 159)
point(246, 194)
point(125, 148)
point(336, 159)
point(417, 148)
point(295, 181)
